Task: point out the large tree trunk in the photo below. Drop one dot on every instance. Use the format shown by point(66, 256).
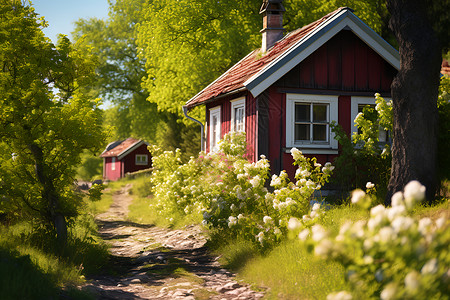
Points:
point(414, 95)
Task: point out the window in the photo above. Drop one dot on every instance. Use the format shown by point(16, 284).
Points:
point(238, 115)
point(214, 128)
point(358, 104)
point(142, 159)
point(113, 163)
point(308, 119)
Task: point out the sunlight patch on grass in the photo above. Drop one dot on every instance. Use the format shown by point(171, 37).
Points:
point(292, 272)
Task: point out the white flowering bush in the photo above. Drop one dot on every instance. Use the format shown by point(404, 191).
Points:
point(363, 159)
point(232, 193)
point(391, 255)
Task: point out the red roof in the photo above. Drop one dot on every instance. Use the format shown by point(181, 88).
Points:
point(120, 148)
point(233, 79)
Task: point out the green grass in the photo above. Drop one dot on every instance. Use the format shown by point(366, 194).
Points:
point(291, 272)
point(33, 266)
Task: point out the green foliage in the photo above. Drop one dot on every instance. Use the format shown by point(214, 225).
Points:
point(120, 73)
point(391, 255)
point(443, 104)
point(48, 119)
point(187, 44)
point(230, 192)
point(363, 158)
point(90, 166)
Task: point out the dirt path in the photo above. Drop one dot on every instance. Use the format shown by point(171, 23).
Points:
point(155, 263)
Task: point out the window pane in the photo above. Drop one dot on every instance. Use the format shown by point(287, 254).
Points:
point(302, 132)
point(302, 113)
point(382, 135)
point(320, 113)
point(239, 119)
point(319, 132)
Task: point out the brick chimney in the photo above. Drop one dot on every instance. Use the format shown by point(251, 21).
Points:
point(272, 11)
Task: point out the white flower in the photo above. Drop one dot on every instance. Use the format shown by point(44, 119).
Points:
point(324, 248)
point(424, 225)
point(377, 210)
point(440, 222)
point(231, 221)
point(430, 267)
point(368, 260)
point(316, 164)
point(413, 193)
point(262, 156)
point(402, 223)
point(342, 295)
point(276, 181)
point(294, 224)
point(369, 185)
point(267, 220)
point(357, 195)
point(296, 154)
point(389, 292)
point(412, 280)
point(318, 233)
point(386, 234)
point(233, 207)
point(277, 231)
point(240, 216)
point(260, 237)
point(255, 181)
point(316, 206)
point(397, 199)
point(303, 235)
point(395, 211)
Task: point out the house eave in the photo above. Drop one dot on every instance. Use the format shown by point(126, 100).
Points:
point(315, 39)
point(130, 149)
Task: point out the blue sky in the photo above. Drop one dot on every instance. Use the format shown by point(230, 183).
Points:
point(61, 14)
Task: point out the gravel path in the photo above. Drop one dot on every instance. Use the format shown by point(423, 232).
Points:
point(156, 263)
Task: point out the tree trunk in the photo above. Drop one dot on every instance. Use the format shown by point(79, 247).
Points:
point(49, 194)
point(414, 95)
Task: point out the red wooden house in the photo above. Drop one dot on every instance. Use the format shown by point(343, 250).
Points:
point(287, 93)
point(122, 157)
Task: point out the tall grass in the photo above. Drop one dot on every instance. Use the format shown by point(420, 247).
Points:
point(33, 266)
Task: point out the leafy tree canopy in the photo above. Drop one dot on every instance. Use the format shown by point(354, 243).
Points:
point(48, 119)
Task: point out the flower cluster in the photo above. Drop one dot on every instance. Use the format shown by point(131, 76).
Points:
point(230, 192)
point(391, 255)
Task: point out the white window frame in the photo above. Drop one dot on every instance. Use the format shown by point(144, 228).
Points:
point(113, 163)
point(237, 104)
point(214, 140)
point(141, 159)
point(328, 147)
point(356, 101)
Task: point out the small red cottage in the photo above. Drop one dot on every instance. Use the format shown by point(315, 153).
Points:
point(123, 157)
point(287, 93)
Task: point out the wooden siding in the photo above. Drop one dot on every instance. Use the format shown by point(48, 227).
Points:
point(129, 161)
point(344, 63)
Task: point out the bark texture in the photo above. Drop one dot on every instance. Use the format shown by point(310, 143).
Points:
point(50, 195)
point(414, 94)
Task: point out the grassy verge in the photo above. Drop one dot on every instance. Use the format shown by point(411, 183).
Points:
point(34, 267)
point(290, 271)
